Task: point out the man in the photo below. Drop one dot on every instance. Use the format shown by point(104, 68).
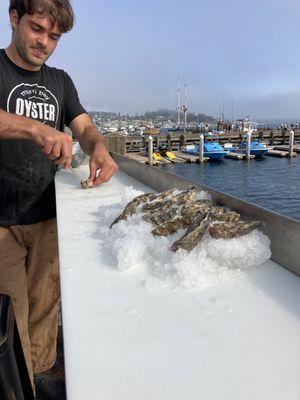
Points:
point(36, 101)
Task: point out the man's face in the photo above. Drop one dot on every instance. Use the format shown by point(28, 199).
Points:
point(34, 39)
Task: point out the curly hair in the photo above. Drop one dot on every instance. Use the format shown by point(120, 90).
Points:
point(59, 11)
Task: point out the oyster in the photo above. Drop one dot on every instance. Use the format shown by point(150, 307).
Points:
point(87, 184)
point(228, 217)
point(192, 208)
point(161, 216)
point(185, 196)
point(132, 206)
point(232, 230)
point(194, 233)
point(170, 227)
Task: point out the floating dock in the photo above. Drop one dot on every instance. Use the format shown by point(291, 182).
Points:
point(279, 153)
point(188, 157)
point(183, 157)
point(286, 148)
point(238, 156)
point(180, 158)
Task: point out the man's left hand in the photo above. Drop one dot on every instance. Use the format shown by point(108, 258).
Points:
point(101, 161)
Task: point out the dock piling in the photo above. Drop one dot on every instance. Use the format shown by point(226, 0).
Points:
point(248, 145)
point(201, 149)
point(291, 143)
point(150, 150)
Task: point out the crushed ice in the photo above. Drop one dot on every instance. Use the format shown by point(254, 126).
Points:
point(132, 247)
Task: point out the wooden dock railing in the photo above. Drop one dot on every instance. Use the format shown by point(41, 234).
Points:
point(174, 141)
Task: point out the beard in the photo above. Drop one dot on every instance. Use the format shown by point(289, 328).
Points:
point(26, 52)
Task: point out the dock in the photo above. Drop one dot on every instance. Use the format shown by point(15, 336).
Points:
point(142, 158)
point(180, 158)
point(278, 139)
point(279, 153)
point(286, 148)
point(238, 156)
point(186, 157)
point(135, 147)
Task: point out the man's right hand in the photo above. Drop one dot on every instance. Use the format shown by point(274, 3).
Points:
point(57, 146)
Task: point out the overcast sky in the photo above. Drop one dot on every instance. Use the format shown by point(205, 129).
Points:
point(125, 55)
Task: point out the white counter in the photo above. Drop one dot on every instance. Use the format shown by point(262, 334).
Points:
point(128, 342)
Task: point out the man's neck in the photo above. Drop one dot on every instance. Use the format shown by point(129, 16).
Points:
point(14, 56)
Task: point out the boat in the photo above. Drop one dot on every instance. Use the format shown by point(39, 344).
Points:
point(257, 149)
point(212, 150)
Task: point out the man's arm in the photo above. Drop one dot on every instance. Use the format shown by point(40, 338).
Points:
point(92, 143)
point(56, 145)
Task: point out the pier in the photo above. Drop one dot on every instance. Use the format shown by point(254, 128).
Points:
point(238, 156)
point(280, 153)
point(135, 147)
point(180, 158)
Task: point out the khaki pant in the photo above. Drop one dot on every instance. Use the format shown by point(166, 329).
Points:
point(29, 274)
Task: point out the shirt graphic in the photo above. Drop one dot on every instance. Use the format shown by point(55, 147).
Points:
point(34, 101)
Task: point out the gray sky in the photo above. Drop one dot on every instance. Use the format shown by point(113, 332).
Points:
point(126, 55)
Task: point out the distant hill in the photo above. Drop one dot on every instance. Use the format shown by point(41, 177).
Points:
point(162, 114)
point(172, 115)
point(104, 114)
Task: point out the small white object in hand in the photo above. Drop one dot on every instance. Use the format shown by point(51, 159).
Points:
point(87, 184)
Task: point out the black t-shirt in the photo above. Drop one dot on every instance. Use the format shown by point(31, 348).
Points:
point(27, 193)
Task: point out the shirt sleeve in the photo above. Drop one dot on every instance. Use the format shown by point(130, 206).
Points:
point(73, 107)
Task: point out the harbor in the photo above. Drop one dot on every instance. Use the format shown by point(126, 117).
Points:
point(270, 181)
point(278, 143)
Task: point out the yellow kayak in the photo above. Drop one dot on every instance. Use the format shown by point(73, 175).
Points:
point(157, 156)
point(170, 155)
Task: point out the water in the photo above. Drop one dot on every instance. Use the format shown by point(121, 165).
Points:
point(273, 183)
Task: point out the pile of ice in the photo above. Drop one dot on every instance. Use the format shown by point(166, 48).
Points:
point(132, 247)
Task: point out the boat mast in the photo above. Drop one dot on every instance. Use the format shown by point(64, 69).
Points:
point(178, 101)
point(184, 107)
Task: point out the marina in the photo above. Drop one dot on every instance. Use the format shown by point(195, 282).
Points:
point(277, 168)
point(262, 143)
point(175, 140)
